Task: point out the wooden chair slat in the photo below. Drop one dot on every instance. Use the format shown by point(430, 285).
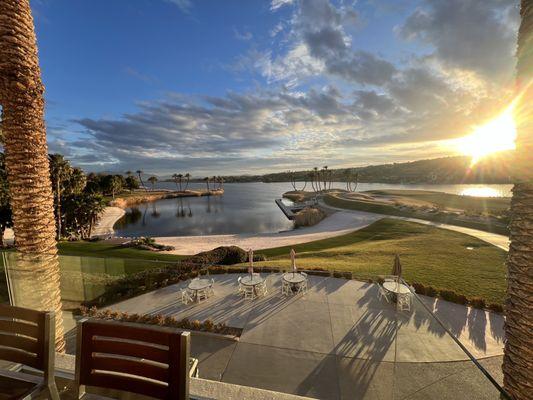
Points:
point(138, 367)
point(20, 342)
point(119, 347)
point(129, 384)
point(21, 328)
point(20, 356)
point(36, 317)
point(127, 331)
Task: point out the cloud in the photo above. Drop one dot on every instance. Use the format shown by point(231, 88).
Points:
point(276, 4)
point(478, 35)
point(244, 36)
point(184, 5)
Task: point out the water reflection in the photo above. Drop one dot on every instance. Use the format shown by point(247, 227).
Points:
point(246, 208)
point(480, 192)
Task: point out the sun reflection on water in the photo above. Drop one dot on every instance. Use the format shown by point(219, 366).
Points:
point(480, 192)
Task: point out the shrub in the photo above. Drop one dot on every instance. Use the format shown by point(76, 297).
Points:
point(309, 216)
point(461, 299)
point(477, 302)
point(318, 272)
point(260, 257)
point(448, 295)
point(419, 288)
point(431, 291)
point(224, 255)
point(161, 320)
point(495, 307)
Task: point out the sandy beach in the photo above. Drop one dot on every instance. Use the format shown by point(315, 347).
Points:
point(104, 227)
point(337, 224)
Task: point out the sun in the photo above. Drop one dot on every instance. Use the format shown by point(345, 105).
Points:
point(496, 135)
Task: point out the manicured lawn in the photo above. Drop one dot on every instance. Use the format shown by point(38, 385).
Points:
point(491, 205)
point(380, 208)
point(429, 255)
point(128, 260)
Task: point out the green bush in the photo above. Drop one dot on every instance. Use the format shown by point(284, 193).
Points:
point(477, 302)
point(448, 295)
point(419, 288)
point(161, 320)
point(495, 307)
point(431, 291)
point(224, 255)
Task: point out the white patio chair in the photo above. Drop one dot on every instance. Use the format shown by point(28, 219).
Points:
point(249, 292)
point(211, 290)
point(186, 297)
point(241, 286)
point(202, 294)
point(382, 293)
point(404, 301)
point(285, 287)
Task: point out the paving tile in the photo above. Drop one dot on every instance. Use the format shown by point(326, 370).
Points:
point(296, 324)
point(365, 379)
point(213, 355)
point(290, 371)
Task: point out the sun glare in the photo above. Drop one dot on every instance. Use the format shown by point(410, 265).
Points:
point(496, 135)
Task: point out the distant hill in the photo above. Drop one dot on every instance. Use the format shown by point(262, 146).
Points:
point(494, 169)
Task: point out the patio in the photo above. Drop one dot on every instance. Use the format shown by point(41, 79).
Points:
point(337, 341)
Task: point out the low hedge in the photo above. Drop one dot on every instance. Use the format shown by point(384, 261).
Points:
point(451, 296)
point(161, 320)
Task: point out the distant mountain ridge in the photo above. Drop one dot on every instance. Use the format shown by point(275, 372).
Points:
point(494, 169)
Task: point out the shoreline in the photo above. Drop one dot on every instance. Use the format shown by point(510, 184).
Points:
point(108, 219)
point(148, 197)
point(338, 223)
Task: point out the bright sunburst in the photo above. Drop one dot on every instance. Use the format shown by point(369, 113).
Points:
point(496, 135)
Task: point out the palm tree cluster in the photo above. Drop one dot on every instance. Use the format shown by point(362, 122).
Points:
point(321, 179)
point(216, 180)
point(178, 180)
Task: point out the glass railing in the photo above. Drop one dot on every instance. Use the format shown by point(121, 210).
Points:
point(338, 340)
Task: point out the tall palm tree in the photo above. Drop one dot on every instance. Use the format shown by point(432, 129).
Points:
point(27, 164)
point(153, 180)
point(518, 355)
point(175, 177)
point(180, 179)
point(139, 174)
point(188, 177)
point(206, 179)
point(59, 170)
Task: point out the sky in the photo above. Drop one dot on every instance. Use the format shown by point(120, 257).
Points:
point(246, 87)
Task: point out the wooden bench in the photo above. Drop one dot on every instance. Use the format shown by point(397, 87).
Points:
point(27, 338)
point(135, 358)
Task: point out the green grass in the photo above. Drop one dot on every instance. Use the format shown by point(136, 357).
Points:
point(127, 260)
point(429, 255)
point(334, 201)
point(490, 205)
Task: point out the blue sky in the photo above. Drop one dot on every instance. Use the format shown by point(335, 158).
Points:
point(252, 86)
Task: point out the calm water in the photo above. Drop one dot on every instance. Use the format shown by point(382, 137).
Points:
point(244, 208)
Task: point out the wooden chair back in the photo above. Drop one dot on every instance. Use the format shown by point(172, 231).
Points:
point(146, 360)
point(27, 337)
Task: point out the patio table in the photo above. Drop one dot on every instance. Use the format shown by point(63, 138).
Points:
point(294, 279)
point(197, 285)
point(396, 288)
point(255, 281)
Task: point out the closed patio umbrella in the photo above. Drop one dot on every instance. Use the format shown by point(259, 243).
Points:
point(251, 259)
point(293, 261)
point(397, 268)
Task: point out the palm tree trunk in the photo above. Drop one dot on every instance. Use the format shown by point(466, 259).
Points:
point(27, 164)
point(518, 355)
point(58, 207)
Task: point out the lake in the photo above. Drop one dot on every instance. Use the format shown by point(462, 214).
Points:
point(245, 208)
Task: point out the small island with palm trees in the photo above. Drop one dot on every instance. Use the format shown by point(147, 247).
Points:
point(141, 193)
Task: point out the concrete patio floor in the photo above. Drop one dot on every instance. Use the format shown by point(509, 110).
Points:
point(338, 341)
